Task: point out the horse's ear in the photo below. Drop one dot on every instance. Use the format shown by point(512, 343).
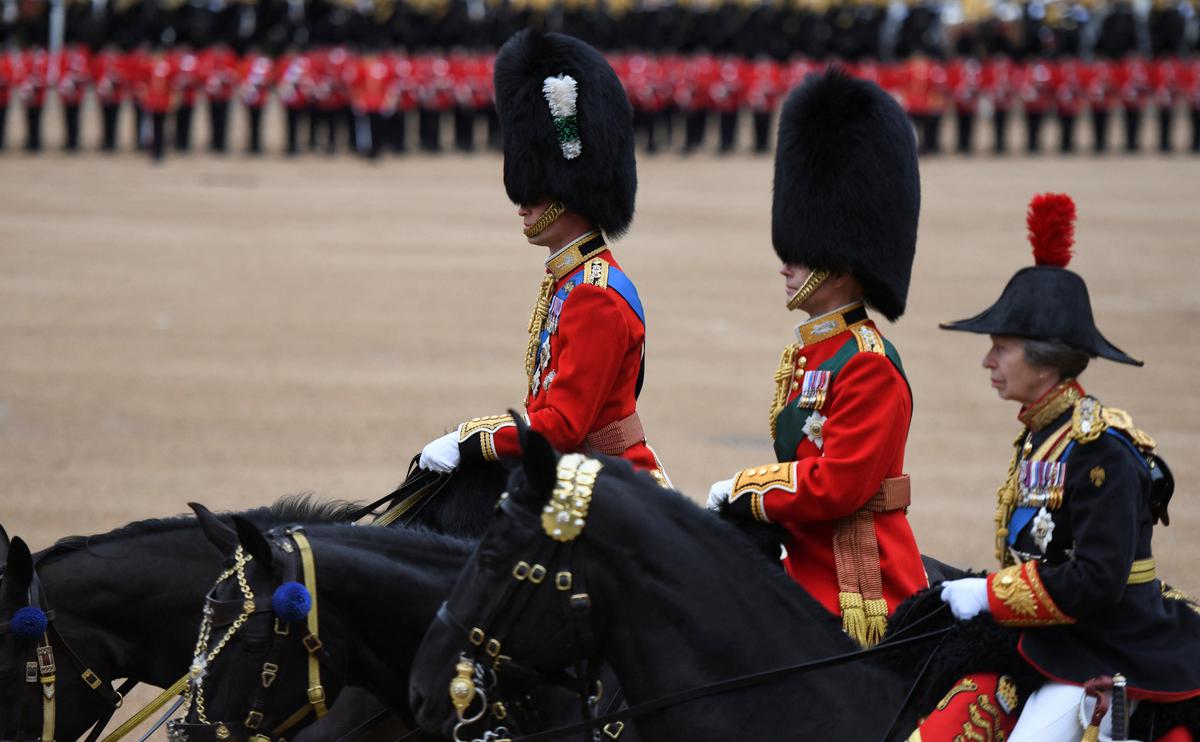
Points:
point(3, 545)
point(221, 535)
point(253, 541)
point(540, 463)
point(18, 573)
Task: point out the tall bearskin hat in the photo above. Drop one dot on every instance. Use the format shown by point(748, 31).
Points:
point(567, 127)
point(1046, 301)
point(847, 188)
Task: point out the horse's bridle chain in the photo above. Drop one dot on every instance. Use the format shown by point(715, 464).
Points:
point(563, 518)
point(203, 656)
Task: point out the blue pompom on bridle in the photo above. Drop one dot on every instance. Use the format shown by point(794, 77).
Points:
point(29, 623)
point(291, 602)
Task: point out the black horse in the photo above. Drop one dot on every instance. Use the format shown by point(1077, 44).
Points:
point(673, 598)
point(126, 601)
point(377, 590)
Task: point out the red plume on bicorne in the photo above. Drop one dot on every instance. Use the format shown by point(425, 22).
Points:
point(1051, 221)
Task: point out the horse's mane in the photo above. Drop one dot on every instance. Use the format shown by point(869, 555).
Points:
point(705, 531)
point(414, 536)
point(297, 508)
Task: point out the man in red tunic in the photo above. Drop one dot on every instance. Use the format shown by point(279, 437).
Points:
point(847, 198)
point(569, 165)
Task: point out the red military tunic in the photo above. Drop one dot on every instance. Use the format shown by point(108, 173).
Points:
point(839, 434)
point(584, 364)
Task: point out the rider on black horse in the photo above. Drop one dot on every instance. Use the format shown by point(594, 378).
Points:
point(569, 166)
point(844, 224)
point(1073, 520)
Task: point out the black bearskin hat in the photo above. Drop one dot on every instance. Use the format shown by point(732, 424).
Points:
point(847, 188)
point(1046, 301)
point(582, 152)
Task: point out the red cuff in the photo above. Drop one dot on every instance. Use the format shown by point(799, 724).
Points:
point(1017, 597)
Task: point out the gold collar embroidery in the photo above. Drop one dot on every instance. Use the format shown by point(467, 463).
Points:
point(1051, 406)
point(831, 323)
point(562, 262)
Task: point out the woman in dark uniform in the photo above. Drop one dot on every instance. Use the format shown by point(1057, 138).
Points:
point(1075, 515)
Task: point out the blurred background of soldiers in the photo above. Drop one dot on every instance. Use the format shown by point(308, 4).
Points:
point(365, 76)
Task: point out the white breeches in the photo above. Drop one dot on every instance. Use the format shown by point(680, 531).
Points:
point(1052, 715)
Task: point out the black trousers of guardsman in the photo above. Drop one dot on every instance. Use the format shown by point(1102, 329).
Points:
point(1000, 127)
point(1033, 131)
point(71, 123)
point(728, 131)
point(762, 132)
point(183, 128)
point(158, 135)
point(33, 128)
point(1066, 133)
point(3, 123)
point(964, 122)
point(109, 116)
point(1099, 130)
point(464, 129)
point(254, 135)
point(218, 117)
point(292, 122)
point(1133, 129)
point(1166, 121)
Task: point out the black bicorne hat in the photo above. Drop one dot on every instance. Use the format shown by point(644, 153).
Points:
point(1046, 301)
point(847, 188)
point(567, 127)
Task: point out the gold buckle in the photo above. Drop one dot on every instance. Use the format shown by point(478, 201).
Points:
point(254, 719)
point(537, 573)
point(281, 628)
point(562, 581)
point(520, 570)
point(493, 647)
point(312, 643)
point(499, 711)
point(476, 636)
point(316, 694)
point(91, 679)
point(269, 672)
point(613, 729)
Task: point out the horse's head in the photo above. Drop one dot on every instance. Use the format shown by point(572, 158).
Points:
point(257, 669)
point(33, 666)
point(520, 612)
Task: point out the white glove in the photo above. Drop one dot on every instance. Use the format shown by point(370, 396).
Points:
point(441, 455)
point(967, 597)
point(719, 494)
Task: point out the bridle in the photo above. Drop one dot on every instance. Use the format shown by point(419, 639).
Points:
point(479, 668)
point(298, 561)
point(41, 681)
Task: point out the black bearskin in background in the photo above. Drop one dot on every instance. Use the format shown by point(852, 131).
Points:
point(602, 181)
point(847, 188)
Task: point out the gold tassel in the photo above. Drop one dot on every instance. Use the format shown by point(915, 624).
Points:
point(854, 619)
point(541, 308)
point(877, 613)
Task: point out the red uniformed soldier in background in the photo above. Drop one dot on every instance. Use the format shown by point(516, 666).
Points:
point(842, 404)
point(569, 164)
point(156, 91)
point(1035, 86)
point(1069, 97)
point(188, 82)
point(963, 80)
point(255, 80)
point(218, 70)
point(73, 78)
point(110, 80)
point(6, 86)
point(371, 93)
point(766, 87)
point(32, 79)
point(296, 94)
point(998, 86)
point(1102, 99)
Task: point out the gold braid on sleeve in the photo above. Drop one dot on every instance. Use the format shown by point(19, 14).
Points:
point(783, 382)
point(1006, 503)
point(541, 308)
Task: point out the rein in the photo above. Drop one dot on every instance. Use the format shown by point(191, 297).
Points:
point(563, 519)
point(42, 674)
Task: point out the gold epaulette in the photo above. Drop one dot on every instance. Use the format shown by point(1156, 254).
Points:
point(1090, 419)
point(869, 340)
point(595, 273)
